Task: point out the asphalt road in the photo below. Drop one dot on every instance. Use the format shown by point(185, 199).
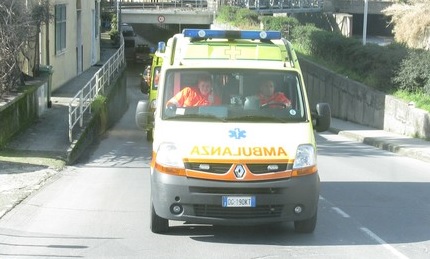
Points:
point(373, 204)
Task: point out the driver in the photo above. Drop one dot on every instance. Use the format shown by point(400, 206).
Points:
point(199, 95)
point(267, 95)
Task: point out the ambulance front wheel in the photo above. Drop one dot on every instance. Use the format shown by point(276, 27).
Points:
point(158, 224)
point(307, 225)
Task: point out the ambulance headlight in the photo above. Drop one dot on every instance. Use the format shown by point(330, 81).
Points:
point(305, 156)
point(169, 155)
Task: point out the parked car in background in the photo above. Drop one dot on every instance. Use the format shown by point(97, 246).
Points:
point(143, 54)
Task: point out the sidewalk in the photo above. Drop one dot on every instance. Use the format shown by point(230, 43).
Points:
point(48, 136)
point(402, 145)
point(40, 151)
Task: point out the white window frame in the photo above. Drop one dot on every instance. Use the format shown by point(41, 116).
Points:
point(60, 28)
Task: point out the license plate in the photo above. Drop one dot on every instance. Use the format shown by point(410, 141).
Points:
point(238, 201)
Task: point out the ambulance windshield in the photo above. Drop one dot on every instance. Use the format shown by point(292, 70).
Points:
point(240, 95)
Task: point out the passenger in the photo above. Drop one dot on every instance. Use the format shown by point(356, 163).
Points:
point(268, 96)
point(147, 74)
point(200, 95)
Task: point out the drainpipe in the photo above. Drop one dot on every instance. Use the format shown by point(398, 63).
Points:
point(48, 63)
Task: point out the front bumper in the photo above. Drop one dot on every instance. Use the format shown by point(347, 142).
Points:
point(200, 201)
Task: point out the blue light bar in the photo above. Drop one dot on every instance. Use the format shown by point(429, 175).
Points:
point(231, 34)
point(161, 47)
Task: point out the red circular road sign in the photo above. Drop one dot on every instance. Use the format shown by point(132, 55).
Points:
point(161, 19)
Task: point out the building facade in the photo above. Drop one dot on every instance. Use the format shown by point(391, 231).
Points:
point(70, 43)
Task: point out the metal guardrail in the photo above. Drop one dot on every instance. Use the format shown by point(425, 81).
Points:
point(81, 103)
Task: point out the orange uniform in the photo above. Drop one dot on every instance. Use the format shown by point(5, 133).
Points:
point(191, 96)
point(275, 98)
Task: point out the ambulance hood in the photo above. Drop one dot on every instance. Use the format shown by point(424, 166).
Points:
point(234, 141)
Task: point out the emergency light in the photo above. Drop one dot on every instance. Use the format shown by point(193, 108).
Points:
point(161, 47)
point(231, 34)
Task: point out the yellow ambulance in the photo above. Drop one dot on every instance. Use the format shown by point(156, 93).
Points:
point(233, 154)
point(149, 85)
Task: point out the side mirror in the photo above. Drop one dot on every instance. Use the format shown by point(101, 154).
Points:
point(142, 114)
point(322, 117)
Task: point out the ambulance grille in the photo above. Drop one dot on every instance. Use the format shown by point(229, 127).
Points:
point(263, 168)
point(216, 168)
point(227, 190)
point(212, 167)
point(266, 211)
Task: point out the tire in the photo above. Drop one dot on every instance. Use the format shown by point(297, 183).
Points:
point(306, 226)
point(158, 224)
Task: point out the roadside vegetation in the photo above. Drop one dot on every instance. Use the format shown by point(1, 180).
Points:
point(29, 158)
point(401, 69)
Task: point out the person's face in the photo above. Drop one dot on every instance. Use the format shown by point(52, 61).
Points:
point(267, 88)
point(205, 87)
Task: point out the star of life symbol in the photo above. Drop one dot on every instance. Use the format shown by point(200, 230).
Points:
point(237, 133)
point(239, 171)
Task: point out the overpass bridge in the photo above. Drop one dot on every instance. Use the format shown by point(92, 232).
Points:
point(168, 16)
point(197, 12)
point(203, 11)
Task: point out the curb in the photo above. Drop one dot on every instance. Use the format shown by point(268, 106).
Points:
point(384, 144)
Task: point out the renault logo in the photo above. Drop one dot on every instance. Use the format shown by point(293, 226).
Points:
point(239, 171)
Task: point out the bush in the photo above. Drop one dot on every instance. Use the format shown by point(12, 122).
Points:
point(247, 18)
point(226, 14)
point(301, 37)
point(414, 72)
point(371, 64)
point(283, 24)
point(238, 17)
point(386, 68)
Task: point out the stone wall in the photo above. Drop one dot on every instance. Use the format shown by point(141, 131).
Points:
point(22, 109)
point(355, 102)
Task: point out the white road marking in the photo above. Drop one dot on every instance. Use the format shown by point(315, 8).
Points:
point(368, 232)
point(383, 243)
point(341, 212)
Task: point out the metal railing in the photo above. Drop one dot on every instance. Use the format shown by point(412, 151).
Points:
point(80, 105)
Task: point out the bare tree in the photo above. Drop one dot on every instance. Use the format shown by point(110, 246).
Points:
point(411, 21)
point(19, 30)
point(14, 27)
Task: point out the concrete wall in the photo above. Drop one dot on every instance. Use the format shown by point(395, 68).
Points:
point(20, 112)
point(355, 102)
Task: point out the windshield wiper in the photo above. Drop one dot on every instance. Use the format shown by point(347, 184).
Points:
point(256, 118)
point(206, 117)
